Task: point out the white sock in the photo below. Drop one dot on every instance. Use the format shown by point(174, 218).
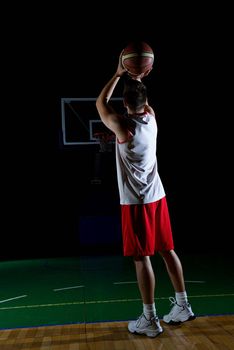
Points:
point(181, 298)
point(149, 310)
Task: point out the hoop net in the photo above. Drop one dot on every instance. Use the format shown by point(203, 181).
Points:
point(105, 141)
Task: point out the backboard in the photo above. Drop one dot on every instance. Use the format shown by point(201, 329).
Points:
point(81, 122)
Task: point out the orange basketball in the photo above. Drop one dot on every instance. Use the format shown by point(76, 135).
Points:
point(137, 58)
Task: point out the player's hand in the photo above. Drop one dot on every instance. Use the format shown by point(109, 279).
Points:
point(120, 69)
point(139, 76)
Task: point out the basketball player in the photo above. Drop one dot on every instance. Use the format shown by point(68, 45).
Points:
point(146, 227)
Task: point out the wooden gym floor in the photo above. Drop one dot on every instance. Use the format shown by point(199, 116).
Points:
point(204, 333)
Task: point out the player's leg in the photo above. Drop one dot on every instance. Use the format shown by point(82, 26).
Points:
point(181, 310)
point(138, 242)
point(174, 269)
point(145, 278)
point(148, 323)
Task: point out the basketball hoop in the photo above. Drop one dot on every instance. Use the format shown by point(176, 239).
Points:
point(104, 139)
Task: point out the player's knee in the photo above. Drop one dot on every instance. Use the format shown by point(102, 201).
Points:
point(140, 258)
point(166, 253)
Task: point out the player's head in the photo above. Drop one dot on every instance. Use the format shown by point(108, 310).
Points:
point(134, 94)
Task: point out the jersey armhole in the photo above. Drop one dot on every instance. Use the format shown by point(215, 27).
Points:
point(129, 136)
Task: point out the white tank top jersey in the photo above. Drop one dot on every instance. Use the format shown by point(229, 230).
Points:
point(136, 162)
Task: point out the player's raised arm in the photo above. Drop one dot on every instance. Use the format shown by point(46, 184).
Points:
point(106, 112)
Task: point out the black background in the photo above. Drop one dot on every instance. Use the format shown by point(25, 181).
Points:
point(71, 51)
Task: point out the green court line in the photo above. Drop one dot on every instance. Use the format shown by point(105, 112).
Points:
point(107, 301)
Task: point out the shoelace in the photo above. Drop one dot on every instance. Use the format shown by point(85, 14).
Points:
point(173, 301)
point(138, 322)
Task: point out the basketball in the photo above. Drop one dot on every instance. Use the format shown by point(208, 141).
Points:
point(137, 58)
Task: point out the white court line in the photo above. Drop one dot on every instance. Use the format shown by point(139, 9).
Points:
point(195, 281)
point(20, 296)
point(127, 282)
point(73, 287)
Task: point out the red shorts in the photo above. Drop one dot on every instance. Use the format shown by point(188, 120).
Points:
point(146, 228)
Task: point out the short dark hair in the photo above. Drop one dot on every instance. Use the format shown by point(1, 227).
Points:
point(134, 94)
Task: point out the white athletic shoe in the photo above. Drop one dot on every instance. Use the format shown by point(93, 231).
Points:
point(151, 327)
point(179, 313)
